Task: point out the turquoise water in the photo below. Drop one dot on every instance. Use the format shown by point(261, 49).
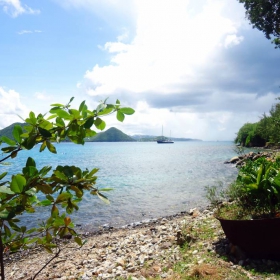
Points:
point(149, 180)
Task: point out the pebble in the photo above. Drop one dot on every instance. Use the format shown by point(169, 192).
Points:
point(124, 253)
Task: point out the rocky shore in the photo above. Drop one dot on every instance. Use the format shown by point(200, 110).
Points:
point(190, 244)
point(148, 249)
point(239, 160)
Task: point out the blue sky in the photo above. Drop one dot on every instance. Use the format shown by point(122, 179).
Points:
point(195, 67)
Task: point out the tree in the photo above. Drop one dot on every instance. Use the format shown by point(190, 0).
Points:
point(246, 134)
point(265, 16)
point(62, 187)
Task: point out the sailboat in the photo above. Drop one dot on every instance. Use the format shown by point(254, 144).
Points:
point(163, 140)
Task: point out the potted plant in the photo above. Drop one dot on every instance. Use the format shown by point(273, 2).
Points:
point(251, 220)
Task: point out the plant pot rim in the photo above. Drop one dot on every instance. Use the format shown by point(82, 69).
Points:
point(244, 220)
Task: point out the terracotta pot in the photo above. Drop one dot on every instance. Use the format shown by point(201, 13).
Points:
point(257, 238)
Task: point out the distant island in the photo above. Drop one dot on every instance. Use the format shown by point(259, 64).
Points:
point(111, 135)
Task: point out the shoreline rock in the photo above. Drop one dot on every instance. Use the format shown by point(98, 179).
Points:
point(109, 253)
point(146, 252)
point(239, 160)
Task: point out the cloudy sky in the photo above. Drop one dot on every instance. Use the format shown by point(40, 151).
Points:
point(195, 67)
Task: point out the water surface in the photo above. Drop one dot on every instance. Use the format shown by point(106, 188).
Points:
point(149, 180)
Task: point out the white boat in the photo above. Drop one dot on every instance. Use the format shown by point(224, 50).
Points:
point(164, 141)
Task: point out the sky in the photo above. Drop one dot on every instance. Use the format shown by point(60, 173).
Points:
point(195, 68)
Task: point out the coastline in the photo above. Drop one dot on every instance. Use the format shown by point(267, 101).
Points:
point(110, 253)
point(189, 244)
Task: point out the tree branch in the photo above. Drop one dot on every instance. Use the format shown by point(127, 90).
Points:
point(46, 264)
point(19, 149)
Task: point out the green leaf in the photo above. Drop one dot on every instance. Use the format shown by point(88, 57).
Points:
point(120, 116)
point(6, 190)
point(81, 107)
point(32, 119)
point(45, 170)
point(30, 162)
point(8, 149)
point(30, 171)
point(63, 197)
point(78, 240)
point(106, 111)
point(92, 172)
point(48, 249)
point(3, 175)
point(48, 237)
point(103, 198)
point(60, 122)
point(68, 171)
point(54, 211)
point(31, 192)
point(8, 141)
point(78, 192)
point(60, 113)
point(75, 113)
point(57, 105)
point(43, 146)
point(118, 102)
point(50, 198)
point(100, 124)
point(51, 147)
point(29, 142)
point(90, 133)
point(46, 124)
point(127, 110)
point(106, 189)
point(89, 123)
point(44, 132)
point(45, 202)
point(17, 131)
point(100, 107)
point(60, 175)
point(7, 215)
point(18, 183)
point(7, 230)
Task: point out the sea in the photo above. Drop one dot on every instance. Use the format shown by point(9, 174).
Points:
point(149, 180)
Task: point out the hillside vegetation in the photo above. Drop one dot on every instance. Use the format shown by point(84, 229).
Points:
point(111, 135)
point(265, 132)
point(8, 131)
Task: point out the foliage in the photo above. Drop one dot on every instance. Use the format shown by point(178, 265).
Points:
point(259, 183)
point(267, 130)
point(265, 16)
point(111, 135)
point(254, 194)
point(8, 131)
point(215, 194)
point(62, 187)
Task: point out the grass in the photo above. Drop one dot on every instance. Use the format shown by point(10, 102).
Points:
point(204, 255)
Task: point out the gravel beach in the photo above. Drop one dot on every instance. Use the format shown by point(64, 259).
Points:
point(145, 251)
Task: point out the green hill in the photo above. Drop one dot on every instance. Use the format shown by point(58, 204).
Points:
point(111, 135)
point(8, 131)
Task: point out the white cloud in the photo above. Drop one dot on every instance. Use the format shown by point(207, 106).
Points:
point(29, 31)
point(42, 96)
point(180, 69)
point(14, 8)
point(11, 107)
point(233, 40)
point(171, 43)
point(24, 32)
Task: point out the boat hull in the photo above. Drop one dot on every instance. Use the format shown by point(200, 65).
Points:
point(165, 142)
